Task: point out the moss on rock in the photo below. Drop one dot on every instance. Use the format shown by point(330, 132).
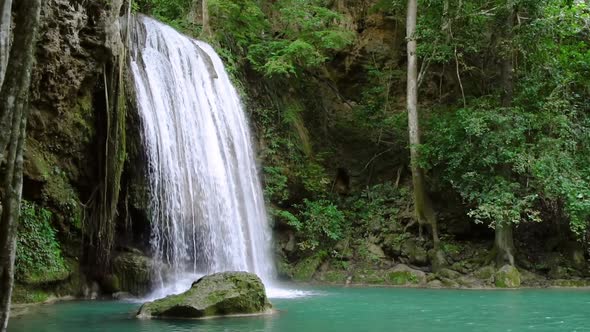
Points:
point(571, 283)
point(305, 269)
point(133, 272)
point(507, 277)
point(370, 277)
point(485, 273)
point(334, 276)
point(220, 294)
point(26, 294)
point(404, 275)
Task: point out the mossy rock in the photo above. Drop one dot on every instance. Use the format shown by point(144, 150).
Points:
point(403, 275)
point(52, 276)
point(284, 269)
point(507, 277)
point(448, 274)
point(485, 273)
point(334, 276)
point(571, 283)
point(401, 278)
point(531, 279)
point(415, 252)
point(438, 259)
point(27, 294)
point(435, 284)
point(449, 283)
point(469, 282)
point(111, 284)
point(305, 270)
point(133, 272)
point(220, 294)
point(559, 272)
point(369, 277)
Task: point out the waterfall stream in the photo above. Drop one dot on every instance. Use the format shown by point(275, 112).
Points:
point(206, 203)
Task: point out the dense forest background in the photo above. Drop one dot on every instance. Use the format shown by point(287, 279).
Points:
point(503, 101)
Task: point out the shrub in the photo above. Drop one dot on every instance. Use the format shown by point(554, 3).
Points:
point(38, 254)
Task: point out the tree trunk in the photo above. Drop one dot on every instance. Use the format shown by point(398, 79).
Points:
point(5, 25)
point(504, 243)
point(13, 183)
point(193, 13)
point(206, 26)
point(18, 74)
point(13, 114)
point(422, 204)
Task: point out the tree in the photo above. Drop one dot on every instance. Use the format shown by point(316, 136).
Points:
point(5, 24)
point(206, 25)
point(424, 212)
point(14, 97)
point(504, 242)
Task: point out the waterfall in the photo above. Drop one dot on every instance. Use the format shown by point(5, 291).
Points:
point(206, 204)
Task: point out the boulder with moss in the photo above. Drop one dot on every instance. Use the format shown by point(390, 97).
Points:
point(507, 277)
point(305, 269)
point(220, 294)
point(403, 275)
point(132, 273)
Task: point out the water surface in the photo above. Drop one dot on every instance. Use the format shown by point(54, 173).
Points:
point(347, 309)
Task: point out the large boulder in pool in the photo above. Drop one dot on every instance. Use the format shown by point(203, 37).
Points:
point(220, 294)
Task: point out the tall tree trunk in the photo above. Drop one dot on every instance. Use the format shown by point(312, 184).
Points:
point(422, 204)
point(5, 25)
point(13, 183)
point(504, 243)
point(194, 11)
point(18, 74)
point(206, 26)
point(13, 113)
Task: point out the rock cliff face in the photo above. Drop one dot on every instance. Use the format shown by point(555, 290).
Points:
point(77, 40)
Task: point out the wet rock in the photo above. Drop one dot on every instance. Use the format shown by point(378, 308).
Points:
point(220, 294)
point(133, 271)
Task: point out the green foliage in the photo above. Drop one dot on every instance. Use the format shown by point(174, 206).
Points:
point(38, 255)
point(376, 208)
point(171, 12)
point(239, 23)
point(319, 224)
point(279, 39)
point(308, 32)
point(275, 184)
point(513, 164)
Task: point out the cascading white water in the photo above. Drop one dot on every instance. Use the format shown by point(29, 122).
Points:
point(207, 208)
